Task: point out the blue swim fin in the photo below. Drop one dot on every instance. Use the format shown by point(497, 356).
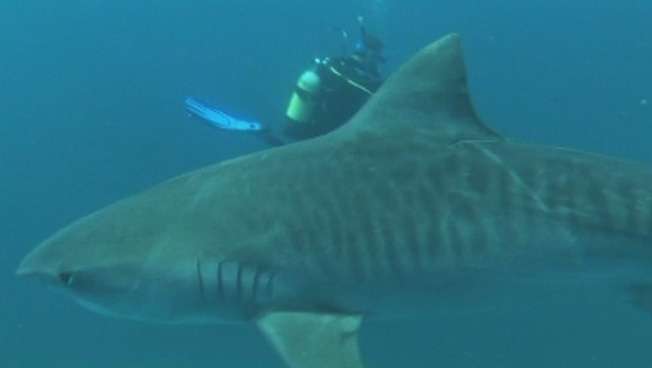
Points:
point(218, 119)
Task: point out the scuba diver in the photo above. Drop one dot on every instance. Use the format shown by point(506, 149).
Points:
point(325, 97)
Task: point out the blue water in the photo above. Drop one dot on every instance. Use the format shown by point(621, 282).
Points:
point(91, 111)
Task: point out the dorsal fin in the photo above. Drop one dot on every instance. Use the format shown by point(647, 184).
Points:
point(428, 92)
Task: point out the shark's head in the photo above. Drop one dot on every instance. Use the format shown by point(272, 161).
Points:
point(142, 258)
point(112, 288)
point(102, 262)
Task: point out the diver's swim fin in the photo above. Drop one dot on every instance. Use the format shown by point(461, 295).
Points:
point(218, 119)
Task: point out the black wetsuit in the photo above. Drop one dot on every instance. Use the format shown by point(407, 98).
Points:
point(345, 86)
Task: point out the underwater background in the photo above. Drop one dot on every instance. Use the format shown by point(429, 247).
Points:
point(91, 102)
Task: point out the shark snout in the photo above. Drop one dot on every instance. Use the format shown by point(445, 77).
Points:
point(34, 267)
point(45, 276)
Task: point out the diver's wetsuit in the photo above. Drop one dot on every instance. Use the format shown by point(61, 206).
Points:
point(345, 87)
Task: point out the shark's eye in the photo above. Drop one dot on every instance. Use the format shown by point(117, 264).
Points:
point(65, 277)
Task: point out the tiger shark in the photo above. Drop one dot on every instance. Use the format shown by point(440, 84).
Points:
point(412, 208)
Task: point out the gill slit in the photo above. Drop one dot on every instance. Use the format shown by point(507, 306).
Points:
point(220, 282)
point(200, 281)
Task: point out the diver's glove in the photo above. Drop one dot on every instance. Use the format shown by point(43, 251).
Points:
point(218, 119)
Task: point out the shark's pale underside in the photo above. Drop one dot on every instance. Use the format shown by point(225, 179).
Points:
point(413, 207)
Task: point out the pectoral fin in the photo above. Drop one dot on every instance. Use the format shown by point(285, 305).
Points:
point(313, 339)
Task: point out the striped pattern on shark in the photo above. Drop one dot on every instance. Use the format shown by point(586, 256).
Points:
point(414, 207)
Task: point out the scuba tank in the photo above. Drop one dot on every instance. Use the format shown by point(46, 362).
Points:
point(303, 102)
